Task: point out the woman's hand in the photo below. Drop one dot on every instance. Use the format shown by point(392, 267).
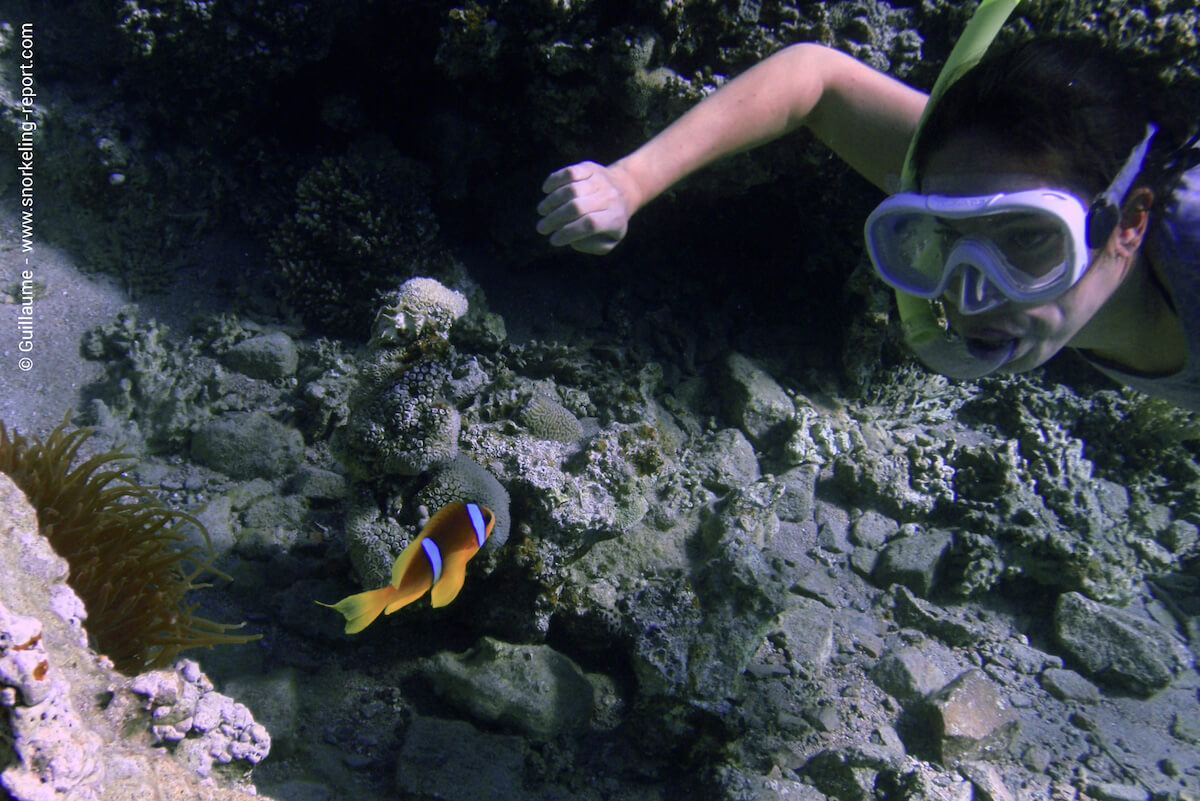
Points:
point(587, 206)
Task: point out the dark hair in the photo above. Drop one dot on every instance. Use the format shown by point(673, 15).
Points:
point(1071, 98)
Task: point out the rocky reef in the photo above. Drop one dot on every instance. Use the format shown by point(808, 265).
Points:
point(744, 547)
point(74, 727)
point(783, 586)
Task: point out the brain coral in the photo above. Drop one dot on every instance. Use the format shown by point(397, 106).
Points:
point(546, 418)
point(400, 422)
point(419, 306)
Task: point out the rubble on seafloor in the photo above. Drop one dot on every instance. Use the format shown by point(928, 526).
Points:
point(926, 589)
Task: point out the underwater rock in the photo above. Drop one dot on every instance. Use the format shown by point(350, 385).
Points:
point(753, 400)
point(800, 494)
point(852, 773)
point(248, 445)
point(726, 460)
point(805, 633)
point(1067, 685)
point(279, 698)
point(740, 589)
point(531, 688)
point(873, 530)
point(317, 484)
point(914, 561)
point(1117, 647)
point(933, 620)
point(267, 356)
point(421, 306)
point(972, 718)
point(487, 767)
point(989, 785)
point(270, 525)
point(206, 730)
point(908, 675)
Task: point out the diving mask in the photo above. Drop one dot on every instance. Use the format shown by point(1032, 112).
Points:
point(1028, 246)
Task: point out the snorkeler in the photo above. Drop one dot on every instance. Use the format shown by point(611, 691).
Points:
point(1039, 200)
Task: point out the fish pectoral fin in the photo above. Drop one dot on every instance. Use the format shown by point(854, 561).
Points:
point(454, 574)
point(360, 610)
point(401, 599)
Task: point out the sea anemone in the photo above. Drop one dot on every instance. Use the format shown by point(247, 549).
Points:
point(129, 557)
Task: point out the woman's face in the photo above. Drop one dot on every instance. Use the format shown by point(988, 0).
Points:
point(977, 165)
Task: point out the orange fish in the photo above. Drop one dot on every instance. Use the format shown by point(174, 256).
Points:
point(436, 560)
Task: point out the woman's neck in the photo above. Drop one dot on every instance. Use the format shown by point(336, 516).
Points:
point(1137, 329)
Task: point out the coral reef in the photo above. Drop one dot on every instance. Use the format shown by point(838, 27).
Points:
point(125, 549)
point(774, 558)
point(359, 224)
point(71, 725)
point(400, 422)
point(420, 306)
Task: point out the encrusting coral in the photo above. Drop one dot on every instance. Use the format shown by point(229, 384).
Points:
point(126, 550)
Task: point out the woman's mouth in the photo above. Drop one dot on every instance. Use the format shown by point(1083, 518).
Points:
point(991, 349)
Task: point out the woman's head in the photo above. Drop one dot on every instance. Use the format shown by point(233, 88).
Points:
point(1048, 113)
point(1068, 104)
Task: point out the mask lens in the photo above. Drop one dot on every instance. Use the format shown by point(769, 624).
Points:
point(910, 249)
point(1026, 251)
point(1035, 246)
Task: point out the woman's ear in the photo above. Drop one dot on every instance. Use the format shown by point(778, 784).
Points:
point(1135, 219)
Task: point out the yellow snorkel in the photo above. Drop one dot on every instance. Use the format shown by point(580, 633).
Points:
point(938, 348)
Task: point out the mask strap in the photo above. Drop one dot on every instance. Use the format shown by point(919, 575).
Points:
point(1105, 211)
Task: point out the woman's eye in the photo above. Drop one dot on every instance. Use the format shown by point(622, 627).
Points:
point(1029, 239)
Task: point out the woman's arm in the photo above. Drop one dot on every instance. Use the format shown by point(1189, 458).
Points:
point(866, 117)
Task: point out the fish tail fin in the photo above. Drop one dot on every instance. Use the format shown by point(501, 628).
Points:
point(360, 610)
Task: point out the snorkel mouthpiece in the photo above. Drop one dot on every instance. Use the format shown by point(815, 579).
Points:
point(941, 350)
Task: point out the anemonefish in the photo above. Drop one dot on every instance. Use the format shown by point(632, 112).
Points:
point(436, 560)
